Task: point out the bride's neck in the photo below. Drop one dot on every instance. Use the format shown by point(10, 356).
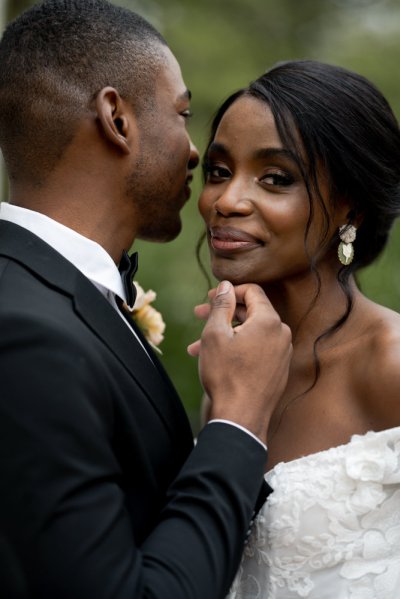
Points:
point(305, 309)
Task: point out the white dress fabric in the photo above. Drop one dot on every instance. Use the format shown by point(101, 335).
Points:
point(331, 528)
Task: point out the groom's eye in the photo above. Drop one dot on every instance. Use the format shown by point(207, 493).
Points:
point(187, 114)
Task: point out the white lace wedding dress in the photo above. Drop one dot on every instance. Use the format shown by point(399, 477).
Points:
point(331, 528)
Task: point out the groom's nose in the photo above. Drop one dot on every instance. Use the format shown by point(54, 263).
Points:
point(193, 157)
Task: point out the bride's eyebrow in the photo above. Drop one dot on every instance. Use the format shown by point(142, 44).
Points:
point(260, 154)
point(267, 153)
point(218, 148)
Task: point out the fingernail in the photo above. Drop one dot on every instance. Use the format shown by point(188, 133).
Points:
point(223, 287)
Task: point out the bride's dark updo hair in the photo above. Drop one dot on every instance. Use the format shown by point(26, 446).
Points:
point(338, 123)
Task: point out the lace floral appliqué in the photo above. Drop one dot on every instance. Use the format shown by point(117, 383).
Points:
point(331, 528)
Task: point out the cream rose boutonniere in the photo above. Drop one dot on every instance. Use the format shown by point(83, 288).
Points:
point(148, 319)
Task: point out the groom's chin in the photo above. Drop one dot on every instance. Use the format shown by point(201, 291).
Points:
point(162, 234)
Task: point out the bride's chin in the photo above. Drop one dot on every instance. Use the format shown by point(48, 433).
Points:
point(232, 271)
point(234, 278)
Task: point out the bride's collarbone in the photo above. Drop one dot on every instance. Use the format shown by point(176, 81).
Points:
point(309, 419)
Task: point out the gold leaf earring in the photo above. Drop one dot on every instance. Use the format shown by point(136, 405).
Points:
point(347, 234)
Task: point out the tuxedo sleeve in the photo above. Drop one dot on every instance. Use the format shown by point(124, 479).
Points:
point(207, 516)
point(62, 505)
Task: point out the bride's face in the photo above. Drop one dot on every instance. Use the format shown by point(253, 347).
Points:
point(255, 203)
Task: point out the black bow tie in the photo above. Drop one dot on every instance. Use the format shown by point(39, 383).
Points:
point(127, 268)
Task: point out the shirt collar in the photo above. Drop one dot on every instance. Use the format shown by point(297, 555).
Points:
point(86, 255)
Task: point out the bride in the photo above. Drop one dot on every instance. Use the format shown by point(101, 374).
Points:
point(302, 187)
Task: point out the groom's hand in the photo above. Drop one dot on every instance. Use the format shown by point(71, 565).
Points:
point(243, 369)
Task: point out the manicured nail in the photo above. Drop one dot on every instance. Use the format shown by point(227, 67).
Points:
point(223, 287)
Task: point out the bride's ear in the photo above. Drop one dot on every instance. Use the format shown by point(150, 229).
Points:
point(114, 119)
point(355, 218)
point(345, 213)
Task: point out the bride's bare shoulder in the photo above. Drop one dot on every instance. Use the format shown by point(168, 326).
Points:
point(379, 363)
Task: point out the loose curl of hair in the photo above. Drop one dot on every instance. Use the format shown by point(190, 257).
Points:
point(337, 120)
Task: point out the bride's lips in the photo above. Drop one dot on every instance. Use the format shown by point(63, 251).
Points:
point(226, 240)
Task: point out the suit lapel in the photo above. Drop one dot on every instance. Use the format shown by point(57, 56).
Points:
point(26, 248)
point(157, 363)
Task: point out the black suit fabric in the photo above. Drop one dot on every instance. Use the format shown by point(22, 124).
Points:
point(102, 494)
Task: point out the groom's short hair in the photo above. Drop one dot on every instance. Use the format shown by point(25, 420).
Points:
point(54, 59)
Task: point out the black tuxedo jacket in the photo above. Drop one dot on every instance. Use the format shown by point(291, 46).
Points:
point(102, 494)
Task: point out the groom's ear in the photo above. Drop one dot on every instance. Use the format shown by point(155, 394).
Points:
point(116, 119)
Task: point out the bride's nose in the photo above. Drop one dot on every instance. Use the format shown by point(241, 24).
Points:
point(234, 200)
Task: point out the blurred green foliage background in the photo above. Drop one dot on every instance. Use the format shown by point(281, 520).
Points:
point(221, 46)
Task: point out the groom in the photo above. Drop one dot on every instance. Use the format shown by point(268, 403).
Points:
point(102, 494)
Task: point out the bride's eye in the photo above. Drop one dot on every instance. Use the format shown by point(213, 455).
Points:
point(215, 172)
point(277, 179)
